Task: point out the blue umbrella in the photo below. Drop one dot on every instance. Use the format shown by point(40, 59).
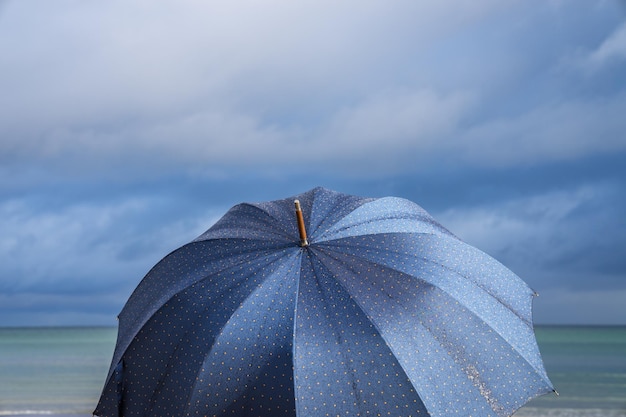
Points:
point(379, 310)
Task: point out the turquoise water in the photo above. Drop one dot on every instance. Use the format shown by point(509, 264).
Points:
point(587, 366)
point(60, 371)
point(53, 370)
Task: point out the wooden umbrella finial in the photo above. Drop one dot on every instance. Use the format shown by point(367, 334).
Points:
point(303, 240)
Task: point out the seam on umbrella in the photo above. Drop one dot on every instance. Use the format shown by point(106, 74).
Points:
point(430, 261)
point(336, 337)
point(154, 309)
point(338, 239)
point(326, 220)
point(176, 349)
point(528, 324)
point(221, 331)
point(277, 226)
point(279, 223)
point(295, 327)
point(424, 326)
point(439, 229)
point(260, 252)
point(186, 246)
point(473, 282)
point(348, 371)
point(378, 330)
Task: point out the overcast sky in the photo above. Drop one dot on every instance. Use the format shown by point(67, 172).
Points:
point(128, 127)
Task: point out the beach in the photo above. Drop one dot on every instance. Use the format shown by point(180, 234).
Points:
point(60, 371)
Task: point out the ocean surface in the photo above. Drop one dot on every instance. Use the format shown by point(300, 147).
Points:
point(61, 371)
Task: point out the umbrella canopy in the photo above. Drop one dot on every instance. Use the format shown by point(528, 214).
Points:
point(378, 310)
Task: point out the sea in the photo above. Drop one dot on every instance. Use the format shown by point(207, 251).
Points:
point(60, 371)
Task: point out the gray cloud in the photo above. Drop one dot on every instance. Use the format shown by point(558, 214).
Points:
point(613, 48)
point(126, 129)
point(553, 131)
point(197, 82)
point(559, 240)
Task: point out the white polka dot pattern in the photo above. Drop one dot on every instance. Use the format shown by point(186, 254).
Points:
point(385, 313)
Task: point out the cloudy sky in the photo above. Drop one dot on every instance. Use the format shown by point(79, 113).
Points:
point(128, 127)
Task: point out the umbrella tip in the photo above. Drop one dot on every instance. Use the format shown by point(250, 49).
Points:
point(301, 229)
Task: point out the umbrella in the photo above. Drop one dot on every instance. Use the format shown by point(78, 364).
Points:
point(378, 310)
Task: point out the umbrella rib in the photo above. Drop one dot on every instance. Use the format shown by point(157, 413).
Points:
point(411, 217)
point(473, 282)
point(337, 339)
point(364, 311)
point(277, 222)
point(466, 371)
point(540, 372)
point(268, 221)
point(138, 325)
point(260, 253)
point(326, 222)
point(472, 373)
point(174, 294)
point(465, 277)
point(208, 306)
point(221, 331)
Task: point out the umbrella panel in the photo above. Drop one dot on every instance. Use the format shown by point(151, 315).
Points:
point(456, 359)
point(472, 278)
point(342, 364)
point(161, 364)
point(248, 370)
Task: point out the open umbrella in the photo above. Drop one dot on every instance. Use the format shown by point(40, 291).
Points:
point(379, 310)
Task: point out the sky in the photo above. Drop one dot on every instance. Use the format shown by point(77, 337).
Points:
point(128, 127)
